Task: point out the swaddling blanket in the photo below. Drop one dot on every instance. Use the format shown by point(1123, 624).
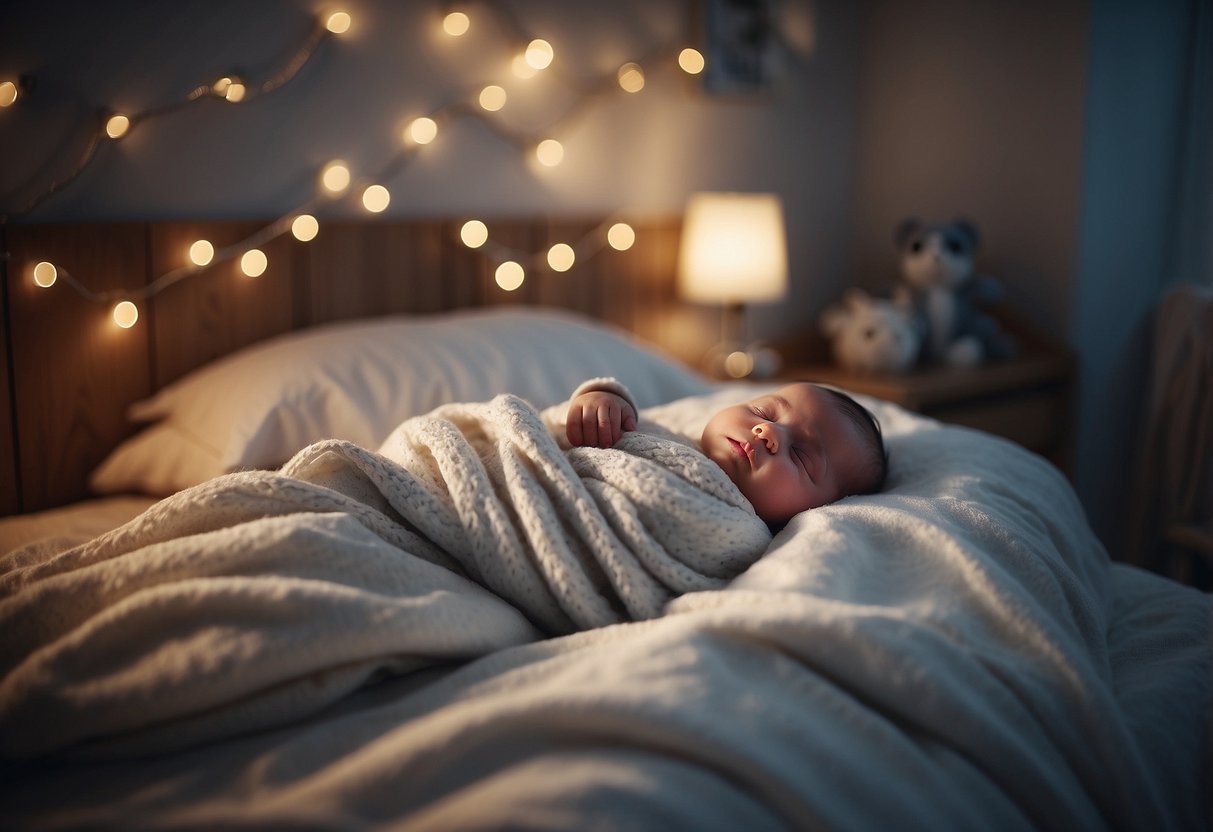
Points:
point(260, 596)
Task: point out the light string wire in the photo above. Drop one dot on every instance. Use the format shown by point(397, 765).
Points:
point(299, 58)
point(459, 107)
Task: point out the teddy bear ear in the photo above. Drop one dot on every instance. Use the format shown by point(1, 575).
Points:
point(906, 229)
point(969, 230)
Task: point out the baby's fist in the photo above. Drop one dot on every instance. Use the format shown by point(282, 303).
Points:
point(598, 419)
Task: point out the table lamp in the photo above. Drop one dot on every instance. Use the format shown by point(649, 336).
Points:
point(733, 252)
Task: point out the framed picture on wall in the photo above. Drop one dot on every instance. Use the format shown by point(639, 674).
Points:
point(740, 45)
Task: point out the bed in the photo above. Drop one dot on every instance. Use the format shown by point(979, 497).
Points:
point(956, 651)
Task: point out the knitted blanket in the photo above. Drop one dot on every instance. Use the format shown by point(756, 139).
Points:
point(260, 597)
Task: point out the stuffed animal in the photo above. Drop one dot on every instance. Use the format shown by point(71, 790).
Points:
point(940, 289)
point(870, 335)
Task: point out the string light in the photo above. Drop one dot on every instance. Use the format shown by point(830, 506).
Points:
point(201, 252)
point(510, 275)
point(539, 54)
point(231, 89)
point(117, 125)
point(338, 22)
point(376, 198)
point(561, 257)
point(335, 177)
point(423, 130)
point(691, 61)
point(125, 314)
point(456, 24)
point(305, 227)
point(474, 233)
point(254, 262)
point(621, 236)
point(45, 274)
point(492, 98)
point(631, 77)
point(549, 152)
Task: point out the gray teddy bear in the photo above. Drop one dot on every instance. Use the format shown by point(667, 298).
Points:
point(940, 291)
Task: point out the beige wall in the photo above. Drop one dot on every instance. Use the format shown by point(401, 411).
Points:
point(974, 109)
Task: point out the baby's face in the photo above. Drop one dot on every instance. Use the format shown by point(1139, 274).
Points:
point(788, 451)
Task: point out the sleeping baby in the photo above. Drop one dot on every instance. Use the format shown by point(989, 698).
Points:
point(800, 447)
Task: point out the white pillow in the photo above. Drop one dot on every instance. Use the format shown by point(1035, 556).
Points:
point(358, 380)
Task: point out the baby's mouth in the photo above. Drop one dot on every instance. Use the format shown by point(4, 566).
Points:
point(742, 449)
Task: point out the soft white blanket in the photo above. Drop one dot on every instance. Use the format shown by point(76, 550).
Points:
point(955, 653)
point(257, 597)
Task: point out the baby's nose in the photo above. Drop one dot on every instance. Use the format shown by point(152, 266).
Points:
point(765, 431)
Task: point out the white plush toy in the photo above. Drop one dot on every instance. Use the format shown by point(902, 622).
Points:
point(870, 335)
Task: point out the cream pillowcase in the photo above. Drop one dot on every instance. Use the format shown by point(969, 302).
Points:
point(358, 380)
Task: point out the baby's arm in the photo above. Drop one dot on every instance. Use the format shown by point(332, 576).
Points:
point(599, 413)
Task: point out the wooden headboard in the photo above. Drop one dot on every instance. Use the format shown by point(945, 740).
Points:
point(69, 373)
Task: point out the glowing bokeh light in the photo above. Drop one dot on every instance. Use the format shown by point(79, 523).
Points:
point(474, 233)
point(691, 61)
point(621, 236)
point(201, 252)
point(631, 77)
point(561, 257)
point(423, 130)
point(45, 274)
point(117, 125)
point(456, 24)
point(335, 177)
point(125, 314)
point(492, 98)
point(549, 152)
point(8, 93)
point(254, 262)
point(539, 54)
point(376, 198)
point(305, 227)
point(510, 275)
point(338, 22)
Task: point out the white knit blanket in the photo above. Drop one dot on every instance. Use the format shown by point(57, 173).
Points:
point(259, 597)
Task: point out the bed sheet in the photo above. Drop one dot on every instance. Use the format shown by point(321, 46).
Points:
point(74, 523)
point(956, 652)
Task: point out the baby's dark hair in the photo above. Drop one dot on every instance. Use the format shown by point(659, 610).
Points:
point(878, 457)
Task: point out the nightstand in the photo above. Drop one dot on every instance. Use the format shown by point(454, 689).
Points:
point(1026, 399)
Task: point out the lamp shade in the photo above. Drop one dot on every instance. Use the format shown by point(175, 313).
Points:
point(733, 249)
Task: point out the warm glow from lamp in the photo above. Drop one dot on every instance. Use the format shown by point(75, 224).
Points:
point(549, 152)
point(492, 98)
point(254, 262)
point(620, 236)
point(423, 130)
point(125, 314)
point(8, 93)
point(474, 233)
point(631, 77)
point(117, 125)
point(376, 198)
point(456, 24)
point(733, 249)
point(691, 61)
point(510, 275)
point(305, 227)
point(539, 54)
point(45, 274)
point(338, 22)
point(561, 257)
point(335, 177)
point(201, 252)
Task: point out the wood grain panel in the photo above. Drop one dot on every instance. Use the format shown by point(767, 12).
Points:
point(375, 268)
point(219, 309)
point(75, 370)
point(10, 496)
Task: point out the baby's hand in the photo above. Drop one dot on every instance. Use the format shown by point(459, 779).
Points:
point(598, 419)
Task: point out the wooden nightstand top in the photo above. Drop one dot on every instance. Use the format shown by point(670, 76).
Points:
point(926, 388)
